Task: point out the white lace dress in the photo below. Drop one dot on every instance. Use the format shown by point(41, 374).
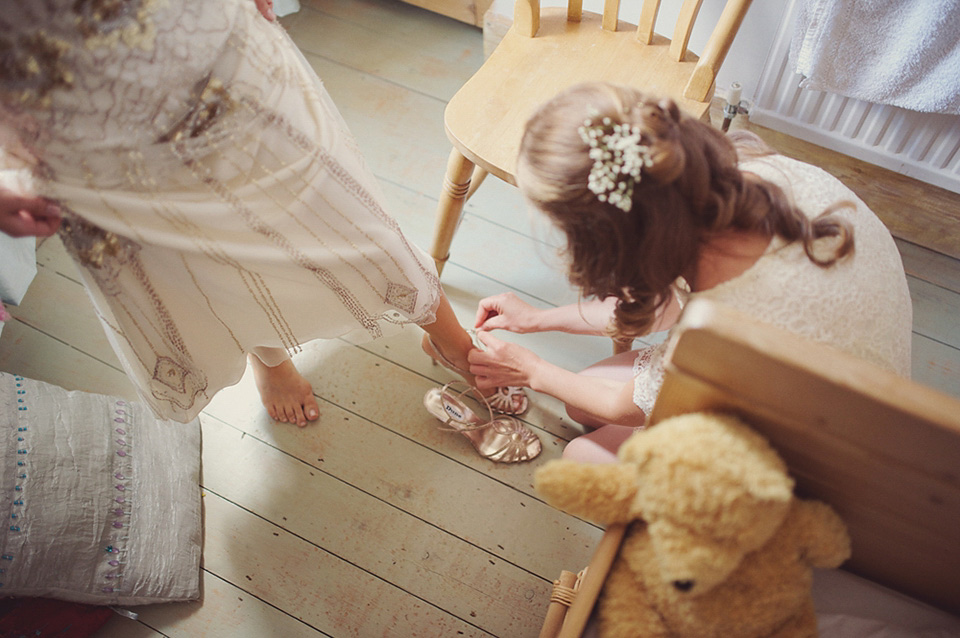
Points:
point(860, 305)
point(215, 200)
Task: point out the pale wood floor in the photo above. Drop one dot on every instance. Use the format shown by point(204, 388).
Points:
point(373, 522)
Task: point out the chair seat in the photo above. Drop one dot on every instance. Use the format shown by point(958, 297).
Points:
point(508, 88)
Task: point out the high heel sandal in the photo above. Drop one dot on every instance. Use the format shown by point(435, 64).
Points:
point(510, 400)
point(501, 439)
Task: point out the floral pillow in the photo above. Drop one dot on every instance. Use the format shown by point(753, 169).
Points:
point(101, 501)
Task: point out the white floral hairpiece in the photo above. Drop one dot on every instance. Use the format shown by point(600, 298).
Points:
point(618, 160)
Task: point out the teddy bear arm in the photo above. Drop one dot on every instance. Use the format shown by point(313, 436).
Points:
point(823, 535)
point(598, 492)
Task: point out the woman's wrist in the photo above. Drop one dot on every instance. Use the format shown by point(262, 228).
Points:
point(534, 377)
point(534, 321)
point(546, 377)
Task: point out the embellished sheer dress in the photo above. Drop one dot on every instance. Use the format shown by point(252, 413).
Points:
point(214, 200)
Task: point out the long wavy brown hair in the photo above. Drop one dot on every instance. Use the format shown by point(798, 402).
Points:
point(690, 190)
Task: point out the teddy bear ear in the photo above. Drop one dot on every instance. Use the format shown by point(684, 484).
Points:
point(768, 483)
point(762, 470)
point(824, 538)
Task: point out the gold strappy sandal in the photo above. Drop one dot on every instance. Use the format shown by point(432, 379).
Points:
point(505, 399)
point(501, 439)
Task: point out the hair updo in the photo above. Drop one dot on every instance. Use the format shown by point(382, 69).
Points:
point(689, 188)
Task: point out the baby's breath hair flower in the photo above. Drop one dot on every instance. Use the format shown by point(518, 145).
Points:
point(618, 160)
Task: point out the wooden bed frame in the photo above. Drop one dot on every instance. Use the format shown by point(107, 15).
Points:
point(883, 451)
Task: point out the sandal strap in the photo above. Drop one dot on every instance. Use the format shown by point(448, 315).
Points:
point(464, 427)
point(503, 400)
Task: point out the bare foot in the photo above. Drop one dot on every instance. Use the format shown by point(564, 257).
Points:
point(504, 401)
point(457, 364)
point(287, 396)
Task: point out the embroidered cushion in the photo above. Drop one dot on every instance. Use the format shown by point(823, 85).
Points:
point(101, 501)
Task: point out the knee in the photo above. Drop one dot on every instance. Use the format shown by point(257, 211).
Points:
point(582, 417)
point(575, 415)
point(575, 449)
point(585, 450)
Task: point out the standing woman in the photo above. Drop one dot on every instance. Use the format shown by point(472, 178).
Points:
point(210, 192)
point(657, 207)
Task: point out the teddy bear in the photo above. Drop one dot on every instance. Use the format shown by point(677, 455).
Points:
point(716, 544)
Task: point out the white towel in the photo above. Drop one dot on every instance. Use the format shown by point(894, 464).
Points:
point(285, 7)
point(900, 52)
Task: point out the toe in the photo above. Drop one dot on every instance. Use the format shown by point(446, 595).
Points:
point(298, 416)
point(311, 410)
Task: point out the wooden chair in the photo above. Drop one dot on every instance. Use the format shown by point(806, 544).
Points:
point(883, 451)
point(542, 54)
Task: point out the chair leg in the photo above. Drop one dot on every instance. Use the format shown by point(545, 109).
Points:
point(456, 187)
point(479, 175)
point(564, 593)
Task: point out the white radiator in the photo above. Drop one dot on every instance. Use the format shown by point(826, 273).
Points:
point(925, 146)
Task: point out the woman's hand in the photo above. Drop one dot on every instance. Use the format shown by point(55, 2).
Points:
point(506, 312)
point(25, 215)
point(502, 363)
point(266, 9)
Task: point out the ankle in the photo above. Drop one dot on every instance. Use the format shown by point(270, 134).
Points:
point(446, 354)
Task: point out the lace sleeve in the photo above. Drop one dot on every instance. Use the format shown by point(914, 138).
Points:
point(648, 376)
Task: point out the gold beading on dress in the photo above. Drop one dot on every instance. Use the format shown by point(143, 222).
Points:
point(108, 257)
point(92, 245)
point(104, 23)
point(32, 65)
point(213, 102)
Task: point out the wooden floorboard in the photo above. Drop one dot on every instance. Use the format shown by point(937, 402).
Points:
point(930, 266)
point(914, 211)
point(412, 560)
point(226, 611)
point(373, 522)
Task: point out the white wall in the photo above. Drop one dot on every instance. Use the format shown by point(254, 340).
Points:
point(750, 49)
point(745, 61)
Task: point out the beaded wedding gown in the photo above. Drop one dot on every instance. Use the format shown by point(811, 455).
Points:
point(214, 200)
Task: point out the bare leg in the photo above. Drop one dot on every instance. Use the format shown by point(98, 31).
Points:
point(618, 369)
point(448, 337)
point(601, 445)
point(287, 396)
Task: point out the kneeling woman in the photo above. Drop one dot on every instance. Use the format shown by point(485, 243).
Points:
point(657, 207)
